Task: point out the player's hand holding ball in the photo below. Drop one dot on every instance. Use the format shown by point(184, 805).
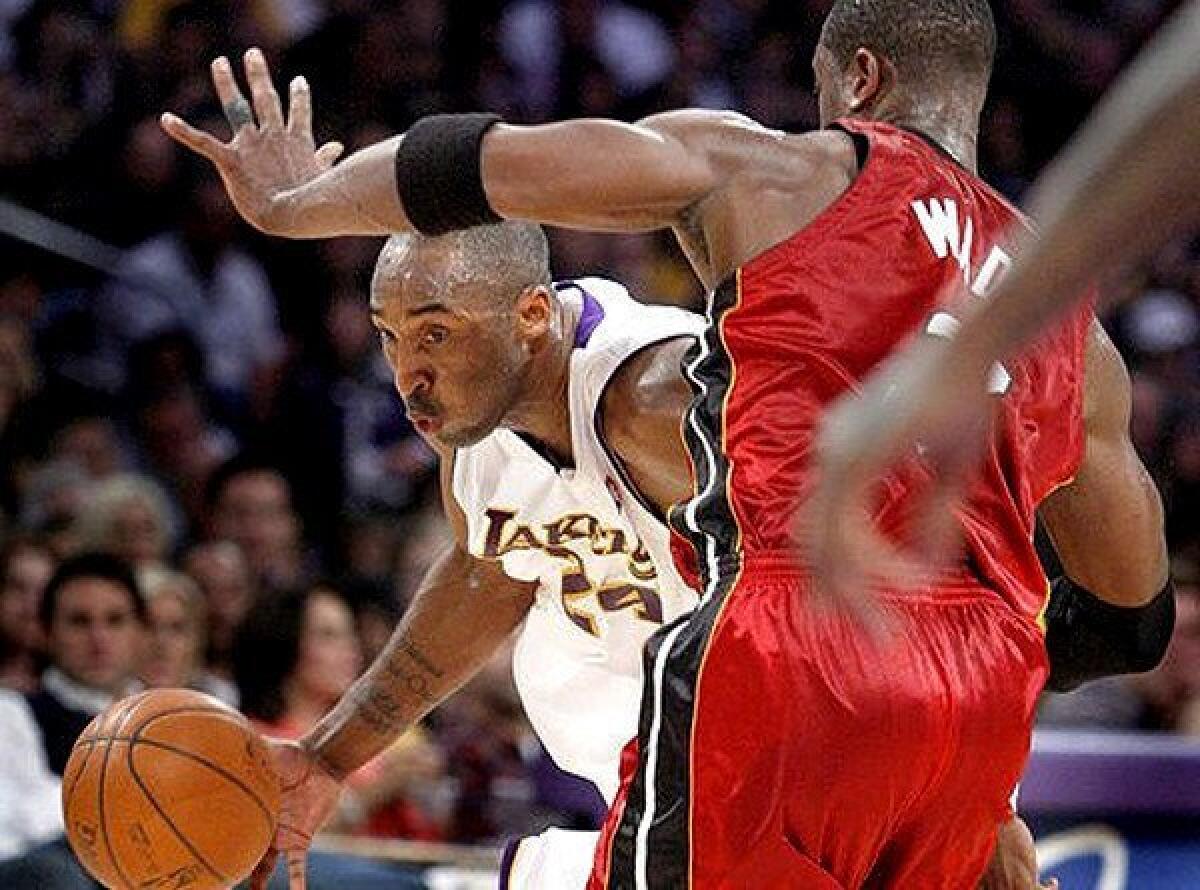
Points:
point(309, 798)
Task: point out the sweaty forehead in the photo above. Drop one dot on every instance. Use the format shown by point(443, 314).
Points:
point(409, 275)
point(414, 281)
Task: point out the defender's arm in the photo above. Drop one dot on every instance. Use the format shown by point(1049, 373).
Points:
point(1113, 611)
point(600, 174)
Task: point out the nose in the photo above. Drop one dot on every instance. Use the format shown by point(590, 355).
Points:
point(408, 371)
point(411, 380)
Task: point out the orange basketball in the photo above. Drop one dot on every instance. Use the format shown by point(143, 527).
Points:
point(169, 788)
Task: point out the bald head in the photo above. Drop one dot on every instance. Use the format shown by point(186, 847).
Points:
point(495, 263)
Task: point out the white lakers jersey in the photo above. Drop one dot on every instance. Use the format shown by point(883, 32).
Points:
point(601, 559)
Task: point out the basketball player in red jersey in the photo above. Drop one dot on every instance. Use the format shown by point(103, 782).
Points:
point(778, 747)
point(1125, 185)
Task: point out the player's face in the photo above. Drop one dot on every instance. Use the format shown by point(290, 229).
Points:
point(95, 635)
point(458, 367)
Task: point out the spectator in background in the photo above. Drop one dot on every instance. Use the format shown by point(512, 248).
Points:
point(90, 441)
point(61, 57)
point(18, 369)
point(493, 755)
point(175, 616)
point(128, 516)
point(1182, 491)
point(250, 503)
point(1162, 327)
point(556, 48)
point(19, 381)
point(220, 571)
point(342, 401)
point(369, 551)
point(32, 795)
point(52, 498)
point(180, 444)
point(196, 278)
point(93, 615)
point(376, 614)
point(296, 654)
point(25, 567)
point(1148, 425)
point(1172, 693)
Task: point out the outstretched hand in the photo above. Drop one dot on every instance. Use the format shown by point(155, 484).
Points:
point(925, 402)
point(309, 797)
point(267, 155)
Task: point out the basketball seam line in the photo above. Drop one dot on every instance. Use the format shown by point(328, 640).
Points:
point(112, 856)
point(205, 762)
point(233, 717)
point(158, 809)
point(69, 793)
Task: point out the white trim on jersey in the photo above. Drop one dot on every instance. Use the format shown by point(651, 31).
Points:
point(689, 512)
point(640, 849)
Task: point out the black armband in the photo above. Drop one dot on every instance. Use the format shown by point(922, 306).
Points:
point(438, 173)
point(1088, 638)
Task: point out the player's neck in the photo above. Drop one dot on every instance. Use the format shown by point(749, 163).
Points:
point(950, 122)
point(544, 411)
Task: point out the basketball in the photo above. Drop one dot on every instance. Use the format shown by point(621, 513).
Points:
point(169, 788)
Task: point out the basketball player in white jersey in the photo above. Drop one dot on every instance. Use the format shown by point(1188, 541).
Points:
point(525, 388)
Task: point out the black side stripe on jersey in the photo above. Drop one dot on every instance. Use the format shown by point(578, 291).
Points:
point(708, 521)
point(652, 846)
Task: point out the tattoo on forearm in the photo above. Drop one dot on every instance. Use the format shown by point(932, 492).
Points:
point(405, 644)
point(381, 702)
point(378, 709)
point(414, 682)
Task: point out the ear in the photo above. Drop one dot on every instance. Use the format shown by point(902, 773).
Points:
point(871, 77)
point(534, 312)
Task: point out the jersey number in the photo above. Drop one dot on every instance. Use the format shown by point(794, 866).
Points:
point(945, 325)
point(617, 596)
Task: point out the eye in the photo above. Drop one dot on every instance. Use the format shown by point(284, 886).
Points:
point(434, 335)
point(386, 337)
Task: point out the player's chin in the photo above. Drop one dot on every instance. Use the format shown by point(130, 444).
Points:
point(451, 436)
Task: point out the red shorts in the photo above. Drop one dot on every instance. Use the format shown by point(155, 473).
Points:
point(782, 747)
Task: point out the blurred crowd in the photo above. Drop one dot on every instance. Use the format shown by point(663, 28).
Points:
point(206, 479)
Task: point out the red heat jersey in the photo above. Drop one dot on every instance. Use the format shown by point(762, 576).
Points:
point(805, 321)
